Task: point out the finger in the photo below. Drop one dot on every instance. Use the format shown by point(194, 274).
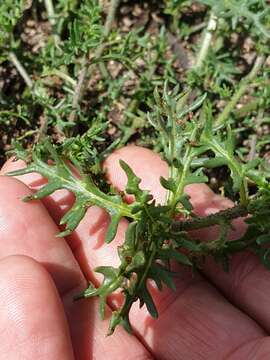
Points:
point(172, 307)
point(31, 313)
point(27, 228)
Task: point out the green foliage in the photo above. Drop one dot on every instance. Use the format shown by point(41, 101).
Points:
point(254, 12)
point(59, 176)
point(189, 114)
point(11, 12)
point(85, 32)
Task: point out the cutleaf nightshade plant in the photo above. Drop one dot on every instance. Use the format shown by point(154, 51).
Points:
point(184, 122)
point(153, 238)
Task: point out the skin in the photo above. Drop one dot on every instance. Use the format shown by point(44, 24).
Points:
point(214, 315)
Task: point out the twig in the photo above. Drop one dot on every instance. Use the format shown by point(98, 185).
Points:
point(87, 70)
point(206, 42)
point(242, 89)
point(254, 206)
point(252, 152)
point(42, 129)
point(21, 70)
point(78, 90)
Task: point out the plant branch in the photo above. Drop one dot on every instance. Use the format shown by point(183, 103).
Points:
point(206, 42)
point(21, 70)
point(222, 216)
point(210, 220)
point(78, 90)
point(241, 90)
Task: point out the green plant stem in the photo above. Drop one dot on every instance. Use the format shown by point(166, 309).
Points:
point(220, 217)
point(206, 41)
point(173, 199)
point(62, 75)
point(221, 119)
point(210, 220)
point(21, 70)
point(247, 108)
point(78, 90)
point(141, 280)
point(244, 192)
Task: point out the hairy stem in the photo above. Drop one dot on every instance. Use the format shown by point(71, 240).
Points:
point(199, 222)
point(241, 90)
point(206, 41)
point(78, 90)
point(181, 182)
point(21, 70)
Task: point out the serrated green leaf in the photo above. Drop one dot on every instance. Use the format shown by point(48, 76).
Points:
point(159, 272)
point(114, 322)
point(131, 235)
point(215, 162)
point(146, 298)
point(170, 253)
point(196, 179)
point(252, 164)
point(60, 176)
point(189, 245)
point(230, 142)
point(208, 121)
point(168, 184)
point(152, 274)
point(109, 272)
point(90, 291)
point(112, 229)
point(132, 186)
point(138, 261)
point(72, 218)
point(195, 105)
point(118, 319)
point(185, 201)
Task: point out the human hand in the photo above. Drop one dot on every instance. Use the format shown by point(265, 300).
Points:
point(213, 316)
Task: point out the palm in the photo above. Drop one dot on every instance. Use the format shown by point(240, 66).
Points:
point(196, 322)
